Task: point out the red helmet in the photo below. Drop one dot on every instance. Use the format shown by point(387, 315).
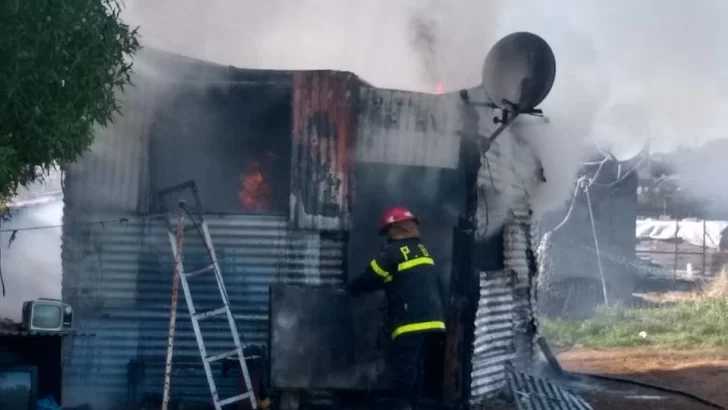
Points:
point(395, 214)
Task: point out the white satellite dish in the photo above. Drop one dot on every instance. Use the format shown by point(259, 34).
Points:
point(622, 131)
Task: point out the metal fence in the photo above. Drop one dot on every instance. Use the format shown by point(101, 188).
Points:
point(670, 254)
point(679, 253)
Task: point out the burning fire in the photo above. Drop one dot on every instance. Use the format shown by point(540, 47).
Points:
point(255, 192)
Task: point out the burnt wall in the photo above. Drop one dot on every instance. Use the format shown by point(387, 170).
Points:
point(230, 139)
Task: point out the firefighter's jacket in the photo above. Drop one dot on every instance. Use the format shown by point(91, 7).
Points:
point(415, 293)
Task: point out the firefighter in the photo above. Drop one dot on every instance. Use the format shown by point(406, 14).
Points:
point(416, 299)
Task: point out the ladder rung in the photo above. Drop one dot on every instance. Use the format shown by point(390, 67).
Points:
point(221, 356)
point(200, 271)
point(235, 399)
point(210, 313)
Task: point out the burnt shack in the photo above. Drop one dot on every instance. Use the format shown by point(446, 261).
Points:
point(572, 263)
point(294, 168)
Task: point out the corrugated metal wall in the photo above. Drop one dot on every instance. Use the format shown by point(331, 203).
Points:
point(121, 285)
point(505, 327)
point(494, 335)
point(519, 259)
point(325, 104)
point(113, 174)
point(117, 274)
point(406, 128)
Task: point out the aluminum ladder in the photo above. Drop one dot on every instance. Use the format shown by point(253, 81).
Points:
point(195, 214)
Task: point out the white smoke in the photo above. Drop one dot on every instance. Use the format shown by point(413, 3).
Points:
point(663, 58)
point(626, 72)
point(30, 258)
point(378, 40)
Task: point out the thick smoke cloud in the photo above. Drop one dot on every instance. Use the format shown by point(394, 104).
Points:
point(627, 72)
point(662, 57)
point(377, 39)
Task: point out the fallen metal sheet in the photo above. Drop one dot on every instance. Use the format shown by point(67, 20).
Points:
point(322, 338)
point(533, 393)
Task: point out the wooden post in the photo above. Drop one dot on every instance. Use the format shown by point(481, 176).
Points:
point(173, 308)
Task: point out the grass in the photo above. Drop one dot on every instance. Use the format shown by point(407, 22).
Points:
point(701, 323)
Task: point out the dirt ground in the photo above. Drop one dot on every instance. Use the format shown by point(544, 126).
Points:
point(704, 374)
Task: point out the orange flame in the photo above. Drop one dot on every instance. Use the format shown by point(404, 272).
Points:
point(255, 193)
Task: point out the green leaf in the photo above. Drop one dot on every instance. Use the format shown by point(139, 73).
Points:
point(61, 63)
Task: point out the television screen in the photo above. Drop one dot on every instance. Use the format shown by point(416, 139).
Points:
point(16, 389)
point(46, 316)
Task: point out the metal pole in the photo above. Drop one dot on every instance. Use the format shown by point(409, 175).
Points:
point(173, 308)
point(677, 249)
point(705, 251)
point(596, 246)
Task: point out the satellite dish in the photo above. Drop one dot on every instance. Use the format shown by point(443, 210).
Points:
point(623, 131)
point(518, 72)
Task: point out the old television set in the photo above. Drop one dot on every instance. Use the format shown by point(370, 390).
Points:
point(47, 315)
point(18, 387)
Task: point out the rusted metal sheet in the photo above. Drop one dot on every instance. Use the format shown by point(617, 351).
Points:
point(325, 105)
point(406, 128)
point(532, 393)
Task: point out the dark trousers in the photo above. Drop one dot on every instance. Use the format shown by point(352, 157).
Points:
point(417, 359)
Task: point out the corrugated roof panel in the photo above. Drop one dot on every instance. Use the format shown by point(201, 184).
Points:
point(406, 128)
point(324, 133)
point(118, 278)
